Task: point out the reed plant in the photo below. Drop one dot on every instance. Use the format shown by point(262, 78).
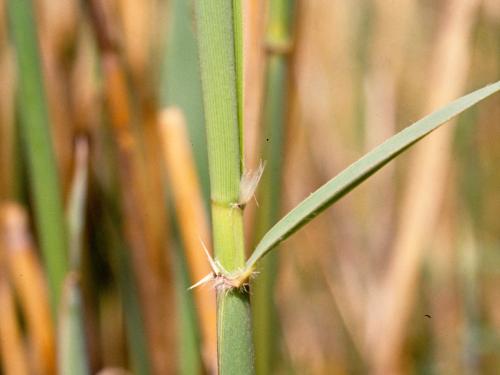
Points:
point(218, 46)
point(156, 188)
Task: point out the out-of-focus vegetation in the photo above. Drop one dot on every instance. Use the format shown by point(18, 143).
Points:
point(104, 190)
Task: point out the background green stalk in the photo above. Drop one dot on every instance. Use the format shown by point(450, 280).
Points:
point(35, 130)
point(108, 239)
point(180, 90)
point(264, 313)
point(72, 348)
point(215, 28)
point(72, 354)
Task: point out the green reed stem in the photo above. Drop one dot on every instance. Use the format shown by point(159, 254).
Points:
point(71, 348)
point(35, 130)
point(216, 45)
point(72, 353)
point(274, 119)
point(238, 58)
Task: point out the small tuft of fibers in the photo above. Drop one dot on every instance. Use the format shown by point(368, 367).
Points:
point(248, 184)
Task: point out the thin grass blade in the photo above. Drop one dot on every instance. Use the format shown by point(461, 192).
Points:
point(359, 171)
point(35, 131)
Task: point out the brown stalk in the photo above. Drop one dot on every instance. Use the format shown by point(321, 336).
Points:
point(148, 257)
point(57, 33)
point(26, 276)
point(7, 132)
point(424, 194)
point(12, 352)
point(193, 222)
point(136, 19)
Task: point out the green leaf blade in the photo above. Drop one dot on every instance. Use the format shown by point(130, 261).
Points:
point(359, 171)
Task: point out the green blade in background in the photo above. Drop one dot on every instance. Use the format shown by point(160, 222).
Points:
point(181, 87)
point(359, 171)
point(266, 328)
point(180, 84)
point(37, 143)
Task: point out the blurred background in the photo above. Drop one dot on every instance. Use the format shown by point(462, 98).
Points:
point(104, 193)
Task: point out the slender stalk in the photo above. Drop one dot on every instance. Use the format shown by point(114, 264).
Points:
point(277, 41)
point(28, 280)
point(188, 331)
point(72, 350)
point(218, 74)
point(238, 58)
point(35, 130)
point(193, 222)
point(7, 129)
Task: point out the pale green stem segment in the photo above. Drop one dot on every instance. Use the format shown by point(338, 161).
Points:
point(269, 204)
point(179, 89)
point(359, 171)
point(72, 352)
point(238, 58)
point(71, 348)
point(264, 312)
point(35, 130)
point(216, 46)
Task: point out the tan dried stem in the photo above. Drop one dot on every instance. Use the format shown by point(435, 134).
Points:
point(28, 280)
point(192, 218)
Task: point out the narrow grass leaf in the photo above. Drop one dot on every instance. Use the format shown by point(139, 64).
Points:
point(35, 130)
point(359, 171)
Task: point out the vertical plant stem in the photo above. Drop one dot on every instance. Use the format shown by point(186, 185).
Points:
point(28, 280)
point(7, 129)
point(218, 74)
point(278, 42)
point(188, 332)
point(35, 130)
point(193, 222)
point(238, 58)
point(72, 350)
